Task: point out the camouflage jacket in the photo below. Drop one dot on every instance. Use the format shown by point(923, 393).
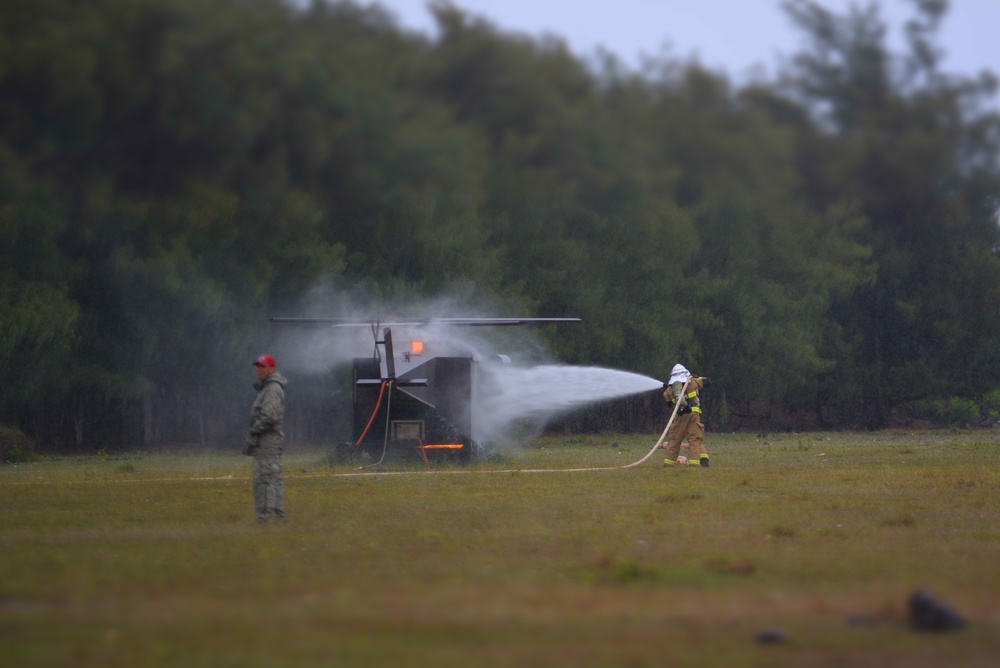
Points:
point(265, 437)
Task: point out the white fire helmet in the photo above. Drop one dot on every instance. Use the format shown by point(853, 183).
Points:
point(678, 374)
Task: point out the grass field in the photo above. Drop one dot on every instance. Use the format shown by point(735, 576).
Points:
point(156, 559)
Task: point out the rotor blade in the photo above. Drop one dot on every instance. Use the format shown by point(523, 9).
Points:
point(494, 322)
point(418, 322)
point(333, 322)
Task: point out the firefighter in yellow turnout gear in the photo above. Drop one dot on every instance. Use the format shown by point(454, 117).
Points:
point(687, 425)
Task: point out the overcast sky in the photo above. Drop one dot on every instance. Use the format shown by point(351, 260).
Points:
point(729, 35)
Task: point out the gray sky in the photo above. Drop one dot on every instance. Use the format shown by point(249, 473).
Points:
point(729, 35)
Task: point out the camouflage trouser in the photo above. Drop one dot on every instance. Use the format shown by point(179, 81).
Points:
point(268, 487)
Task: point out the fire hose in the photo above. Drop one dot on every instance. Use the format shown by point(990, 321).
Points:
point(385, 439)
point(677, 405)
point(378, 402)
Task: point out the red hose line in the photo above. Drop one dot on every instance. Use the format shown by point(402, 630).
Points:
point(378, 402)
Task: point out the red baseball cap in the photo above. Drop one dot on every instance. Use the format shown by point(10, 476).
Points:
point(265, 360)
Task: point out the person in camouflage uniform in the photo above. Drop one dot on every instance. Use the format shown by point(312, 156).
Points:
point(265, 440)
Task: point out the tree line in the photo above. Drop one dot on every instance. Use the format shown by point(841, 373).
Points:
point(175, 172)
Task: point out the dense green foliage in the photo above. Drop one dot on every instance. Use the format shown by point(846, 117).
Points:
point(173, 172)
point(15, 446)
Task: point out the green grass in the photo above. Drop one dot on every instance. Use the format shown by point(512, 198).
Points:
point(156, 560)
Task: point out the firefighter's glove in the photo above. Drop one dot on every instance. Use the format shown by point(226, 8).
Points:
point(705, 382)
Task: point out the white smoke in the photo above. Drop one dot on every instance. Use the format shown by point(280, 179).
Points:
point(318, 348)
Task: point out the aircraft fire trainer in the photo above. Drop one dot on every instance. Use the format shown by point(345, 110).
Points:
point(409, 403)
